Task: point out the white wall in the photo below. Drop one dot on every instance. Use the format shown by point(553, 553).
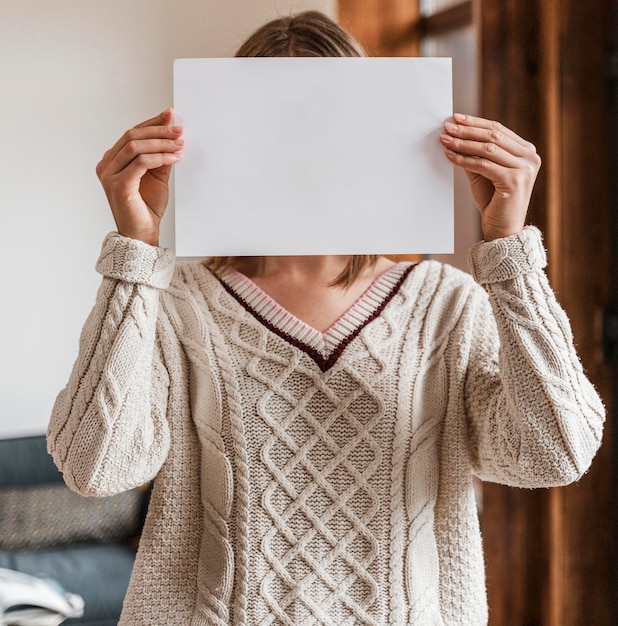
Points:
point(74, 74)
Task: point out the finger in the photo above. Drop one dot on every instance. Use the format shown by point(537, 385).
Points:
point(488, 169)
point(139, 166)
point(147, 162)
point(480, 122)
point(133, 149)
point(496, 135)
point(158, 126)
point(506, 181)
point(142, 133)
point(163, 119)
point(486, 149)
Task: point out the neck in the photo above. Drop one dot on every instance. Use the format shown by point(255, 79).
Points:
point(302, 285)
point(319, 268)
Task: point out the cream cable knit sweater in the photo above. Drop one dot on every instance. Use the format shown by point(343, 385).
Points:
point(306, 478)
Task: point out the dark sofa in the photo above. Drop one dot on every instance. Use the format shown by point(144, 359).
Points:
point(86, 544)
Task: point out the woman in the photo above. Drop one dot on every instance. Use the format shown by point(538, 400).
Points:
point(313, 424)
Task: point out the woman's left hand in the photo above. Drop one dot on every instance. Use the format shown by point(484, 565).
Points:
point(501, 168)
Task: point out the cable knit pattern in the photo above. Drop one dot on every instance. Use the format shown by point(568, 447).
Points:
point(503, 259)
point(307, 478)
point(133, 261)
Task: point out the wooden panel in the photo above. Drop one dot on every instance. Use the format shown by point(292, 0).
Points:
point(515, 522)
point(515, 538)
point(585, 159)
point(555, 53)
point(383, 27)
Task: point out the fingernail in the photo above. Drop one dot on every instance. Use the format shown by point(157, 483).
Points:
point(452, 128)
point(450, 154)
point(459, 117)
point(445, 138)
point(179, 142)
point(176, 129)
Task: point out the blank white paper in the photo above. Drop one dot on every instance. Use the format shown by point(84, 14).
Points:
point(287, 156)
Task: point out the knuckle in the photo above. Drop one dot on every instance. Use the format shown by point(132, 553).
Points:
point(482, 164)
point(102, 164)
point(490, 148)
point(497, 126)
point(131, 147)
point(142, 160)
point(496, 135)
point(101, 171)
point(532, 170)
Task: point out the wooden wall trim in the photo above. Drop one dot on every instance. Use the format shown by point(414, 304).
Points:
point(450, 18)
point(550, 79)
point(549, 50)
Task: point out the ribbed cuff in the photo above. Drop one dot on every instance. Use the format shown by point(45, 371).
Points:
point(134, 261)
point(510, 257)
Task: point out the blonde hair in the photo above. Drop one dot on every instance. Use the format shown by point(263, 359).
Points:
point(307, 34)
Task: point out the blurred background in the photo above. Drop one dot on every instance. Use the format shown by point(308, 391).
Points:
point(74, 74)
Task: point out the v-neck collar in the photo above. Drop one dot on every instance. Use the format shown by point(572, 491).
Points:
point(323, 347)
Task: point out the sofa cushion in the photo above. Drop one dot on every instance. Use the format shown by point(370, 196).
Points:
point(25, 461)
point(98, 573)
point(37, 510)
point(34, 517)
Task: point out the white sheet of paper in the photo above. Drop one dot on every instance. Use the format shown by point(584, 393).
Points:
point(288, 156)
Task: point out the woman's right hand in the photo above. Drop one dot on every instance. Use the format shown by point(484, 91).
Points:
point(135, 176)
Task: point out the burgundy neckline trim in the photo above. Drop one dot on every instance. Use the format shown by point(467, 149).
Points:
point(324, 363)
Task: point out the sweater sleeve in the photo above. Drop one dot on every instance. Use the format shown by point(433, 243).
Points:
point(534, 418)
point(108, 430)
